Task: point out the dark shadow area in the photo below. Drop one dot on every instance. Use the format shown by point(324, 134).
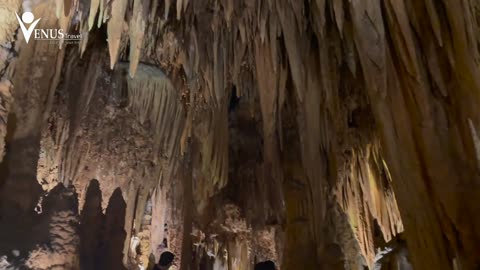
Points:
point(267, 265)
point(20, 191)
point(114, 237)
point(206, 262)
point(92, 220)
point(19, 194)
point(4, 170)
point(394, 255)
point(102, 236)
point(60, 198)
point(234, 100)
point(166, 259)
point(53, 231)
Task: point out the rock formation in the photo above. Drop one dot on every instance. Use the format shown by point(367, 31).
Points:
point(326, 134)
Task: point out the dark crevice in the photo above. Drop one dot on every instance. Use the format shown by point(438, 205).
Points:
point(266, 265)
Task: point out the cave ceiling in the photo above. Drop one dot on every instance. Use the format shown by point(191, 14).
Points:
point(240, 135)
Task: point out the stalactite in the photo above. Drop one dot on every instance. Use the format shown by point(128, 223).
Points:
point(94, 6)
point(213, 141)
point(84, 31)
point(153, 98)
point(137, 29)
point(179, 9)
point(115, 28)
point(167, 8)
point(101, 13)
point(270, 88)
point(59, 8)
point(366, 195)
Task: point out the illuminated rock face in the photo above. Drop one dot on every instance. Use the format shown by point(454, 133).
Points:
point(311, 134)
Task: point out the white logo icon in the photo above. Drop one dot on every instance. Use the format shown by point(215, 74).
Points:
point(27, 18)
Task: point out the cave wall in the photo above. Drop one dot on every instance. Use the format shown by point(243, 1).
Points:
point(310, 133)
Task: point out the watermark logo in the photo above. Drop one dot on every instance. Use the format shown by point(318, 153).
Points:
point(43, 34)
point(27, 18)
